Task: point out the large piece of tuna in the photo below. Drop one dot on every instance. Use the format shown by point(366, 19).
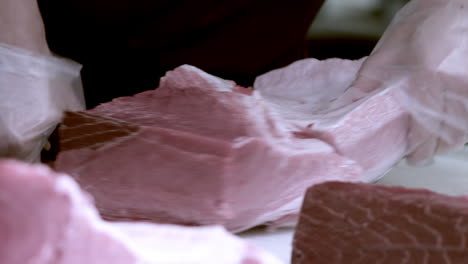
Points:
point(198, 150)
point(317, 99)
point(45, 218)
point(345, 223)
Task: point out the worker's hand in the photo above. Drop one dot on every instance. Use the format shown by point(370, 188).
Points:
point(423, 58)
point(35, 87)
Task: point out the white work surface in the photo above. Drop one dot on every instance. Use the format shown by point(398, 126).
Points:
point(449, 175)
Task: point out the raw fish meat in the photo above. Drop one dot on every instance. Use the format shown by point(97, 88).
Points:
point(45, 218)
point(199, 150)
point(317, 99)
point(345, 223)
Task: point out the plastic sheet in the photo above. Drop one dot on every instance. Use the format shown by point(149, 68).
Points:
point(423, 57)
point(35, 90)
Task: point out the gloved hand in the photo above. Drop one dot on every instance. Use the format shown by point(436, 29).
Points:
point(423, 57)
point(35, 87)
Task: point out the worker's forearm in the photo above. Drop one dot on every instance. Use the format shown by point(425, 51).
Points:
point(21, 25)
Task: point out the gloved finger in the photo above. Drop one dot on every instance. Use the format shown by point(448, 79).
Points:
point(416, 94)
point(455, 124)
point(420, 153)
point(438, 104)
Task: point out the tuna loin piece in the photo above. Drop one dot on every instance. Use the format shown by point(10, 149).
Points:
point(363, 223)
point(198, 150)
point(318, 100)
point(44, 218)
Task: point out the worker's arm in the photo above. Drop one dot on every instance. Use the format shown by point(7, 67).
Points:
point(423, 57)
point(21, 25)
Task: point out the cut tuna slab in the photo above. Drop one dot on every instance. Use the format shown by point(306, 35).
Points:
point(199, 150)
point(45, 218)
point(317, 99)
point(363, 223)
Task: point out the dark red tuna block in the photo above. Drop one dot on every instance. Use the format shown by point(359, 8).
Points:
point(199, 150)
point(362, 223)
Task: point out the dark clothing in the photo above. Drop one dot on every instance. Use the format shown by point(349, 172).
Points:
point(125, 46)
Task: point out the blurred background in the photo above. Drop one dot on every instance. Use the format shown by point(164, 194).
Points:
point(350, 28)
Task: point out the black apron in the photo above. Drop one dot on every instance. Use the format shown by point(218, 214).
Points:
point(125, 46)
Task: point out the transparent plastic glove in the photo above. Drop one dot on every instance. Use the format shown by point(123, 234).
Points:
point(34, 92)
point(423, 58)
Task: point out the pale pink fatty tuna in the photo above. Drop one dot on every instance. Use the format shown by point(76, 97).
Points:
point(199, 150)
point(317, 99)
point(45, 218)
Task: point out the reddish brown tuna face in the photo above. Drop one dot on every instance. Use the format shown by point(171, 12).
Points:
point(360, 223)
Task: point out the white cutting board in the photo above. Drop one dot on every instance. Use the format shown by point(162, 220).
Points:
point(448, 174)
